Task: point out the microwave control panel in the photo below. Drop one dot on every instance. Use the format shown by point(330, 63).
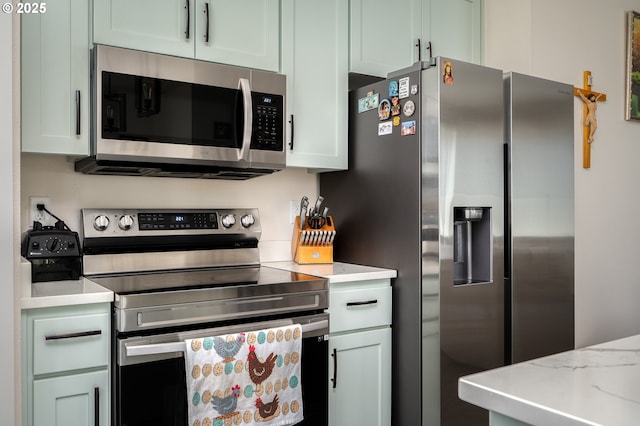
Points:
point(268, 117)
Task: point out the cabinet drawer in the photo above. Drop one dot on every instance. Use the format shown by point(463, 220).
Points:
point(70, 343)
point(361, 308)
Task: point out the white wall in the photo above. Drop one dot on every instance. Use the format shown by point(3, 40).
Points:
point(8, 249)
point(559, 40)
point(53, 176)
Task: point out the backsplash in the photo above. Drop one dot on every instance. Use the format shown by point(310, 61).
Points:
point(54, 177)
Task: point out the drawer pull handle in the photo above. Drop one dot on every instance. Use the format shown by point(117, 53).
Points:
point(335, 368)
point(366, 302)
point(73, 335)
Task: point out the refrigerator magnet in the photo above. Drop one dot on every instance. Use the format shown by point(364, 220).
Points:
point(393, 88)
point(447, 72)
point(396, 121)
point(408, 128)
point(385, 128)
point(395, 106)
point(409, 108)
point(414, 89)
point(384, 109)
point(403, 91)
point(368, 103)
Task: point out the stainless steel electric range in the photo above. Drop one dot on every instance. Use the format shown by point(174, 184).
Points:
point(186, 273)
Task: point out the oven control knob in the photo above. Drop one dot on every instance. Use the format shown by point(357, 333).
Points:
point(126, 222)
point(101, 223)
point(247, 220)
point(228, 220)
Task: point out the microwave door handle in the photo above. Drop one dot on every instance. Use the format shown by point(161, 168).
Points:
point(243, 152)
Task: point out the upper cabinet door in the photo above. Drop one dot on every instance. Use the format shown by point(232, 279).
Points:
point(383, 35)
point(455, 28)
point(164, 26)
point(55, 79)
point(244, 33)
point(315, 59)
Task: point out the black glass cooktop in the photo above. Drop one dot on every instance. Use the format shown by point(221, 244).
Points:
point(193, 279)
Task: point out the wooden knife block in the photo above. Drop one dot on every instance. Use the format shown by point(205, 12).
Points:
point(308, 246)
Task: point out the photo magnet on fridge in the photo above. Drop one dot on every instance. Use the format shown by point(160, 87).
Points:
point(368, 103)
point(395, 106)
point(384, 109)
point(393, 88)
point(408, 128)
point(385, 128)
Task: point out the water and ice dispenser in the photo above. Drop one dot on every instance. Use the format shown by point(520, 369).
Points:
point(472, 250)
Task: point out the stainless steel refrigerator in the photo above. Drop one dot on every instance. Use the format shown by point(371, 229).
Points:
point(426, 194)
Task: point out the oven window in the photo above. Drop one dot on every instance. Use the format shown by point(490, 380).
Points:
point(148, 109)
point(154, 393)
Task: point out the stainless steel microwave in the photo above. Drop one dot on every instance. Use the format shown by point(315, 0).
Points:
point(159, 115)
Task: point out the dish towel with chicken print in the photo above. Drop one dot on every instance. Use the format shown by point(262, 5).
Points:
point(250, 378)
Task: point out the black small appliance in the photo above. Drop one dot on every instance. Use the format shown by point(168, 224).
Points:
point(54, 252)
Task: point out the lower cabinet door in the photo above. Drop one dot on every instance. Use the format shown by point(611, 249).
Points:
point(360, 378)
point(74, 400)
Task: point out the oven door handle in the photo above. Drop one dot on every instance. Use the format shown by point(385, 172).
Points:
point(163, 348)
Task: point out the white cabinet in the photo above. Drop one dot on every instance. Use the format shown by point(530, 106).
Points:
point(315, 59)
point(55, 79)
point(383, 35)
point(360, 353)
point(243, 33)
point(65, 358)
point(453, 27)
point(77, 399)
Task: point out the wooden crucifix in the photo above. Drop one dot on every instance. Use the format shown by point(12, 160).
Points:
point(590, 122)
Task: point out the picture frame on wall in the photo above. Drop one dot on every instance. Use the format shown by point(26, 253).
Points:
point(632, 98)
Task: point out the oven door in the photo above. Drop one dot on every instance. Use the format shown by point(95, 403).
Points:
point(150, 381)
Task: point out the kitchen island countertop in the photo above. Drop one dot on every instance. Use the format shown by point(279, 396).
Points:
point(596, 385)
point(336, 272)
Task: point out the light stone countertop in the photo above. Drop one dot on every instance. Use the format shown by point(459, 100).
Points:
point(596, 385)
point(336, 272)
point(64, 293)
point(58, 293)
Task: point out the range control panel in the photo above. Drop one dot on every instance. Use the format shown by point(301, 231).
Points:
point(99, 223)
point(201, 220)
